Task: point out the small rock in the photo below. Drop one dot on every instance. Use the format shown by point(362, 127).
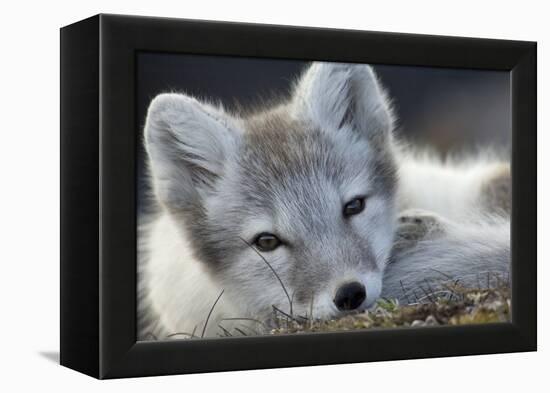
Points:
point(417, 322)
point(431, 321)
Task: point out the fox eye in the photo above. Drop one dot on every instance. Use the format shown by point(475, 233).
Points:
point(267, 242)
point(355, 206)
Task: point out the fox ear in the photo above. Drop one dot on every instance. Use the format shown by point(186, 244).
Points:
point(188, 143)
point(333, 95)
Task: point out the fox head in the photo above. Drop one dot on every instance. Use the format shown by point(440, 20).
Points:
point(299, 196)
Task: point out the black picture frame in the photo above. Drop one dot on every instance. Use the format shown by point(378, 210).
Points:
point(98, 195)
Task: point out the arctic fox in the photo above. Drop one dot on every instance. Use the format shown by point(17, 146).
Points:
point(310, 206)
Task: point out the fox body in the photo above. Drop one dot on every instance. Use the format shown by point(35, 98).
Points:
point(310, 206)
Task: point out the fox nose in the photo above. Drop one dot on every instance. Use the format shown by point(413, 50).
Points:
point(350, 296)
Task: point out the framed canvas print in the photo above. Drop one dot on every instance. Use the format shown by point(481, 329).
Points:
point(238, 196)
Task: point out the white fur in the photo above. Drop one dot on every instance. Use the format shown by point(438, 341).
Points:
point(177, 281)
point(448, 188)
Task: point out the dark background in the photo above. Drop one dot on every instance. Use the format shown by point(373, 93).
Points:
point(448, 110)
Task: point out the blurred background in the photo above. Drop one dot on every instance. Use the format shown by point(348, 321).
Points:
point(448, 110)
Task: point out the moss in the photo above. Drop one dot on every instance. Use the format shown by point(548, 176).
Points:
point(468, 306)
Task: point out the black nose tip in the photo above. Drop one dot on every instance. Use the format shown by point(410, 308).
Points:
point(350, 296)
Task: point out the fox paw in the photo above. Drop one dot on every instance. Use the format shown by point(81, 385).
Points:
point(415, 225)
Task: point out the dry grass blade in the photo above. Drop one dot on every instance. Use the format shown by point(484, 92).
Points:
point(443, 274)
point(287, 315)
point(240, 331)
point(427, 294)
point(190, 335)
point(210, 313)
point(404, 291)
point(245, 319)
point(254, 332)
point(225, 331)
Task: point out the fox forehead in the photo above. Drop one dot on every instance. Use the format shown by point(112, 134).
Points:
point(281, 158)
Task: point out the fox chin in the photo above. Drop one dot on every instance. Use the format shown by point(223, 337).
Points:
point(311, 207)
